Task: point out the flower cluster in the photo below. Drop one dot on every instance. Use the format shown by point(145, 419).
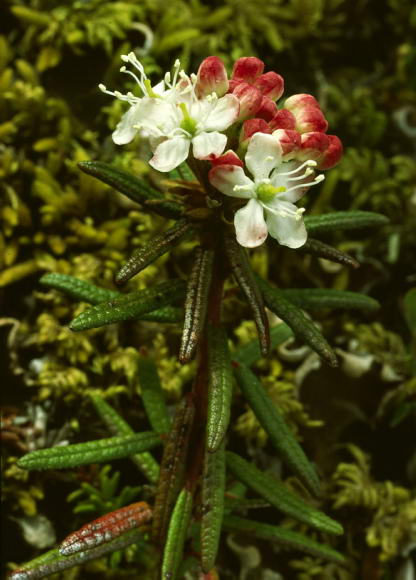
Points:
point(200, 116)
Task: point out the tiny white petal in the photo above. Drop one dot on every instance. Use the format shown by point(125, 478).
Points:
point(250, 227)
point(125, 130)
point(206, 144)
point(264, 153)
point(229, 178)
point(170, 153)
point(223, 113)
point(285, 224)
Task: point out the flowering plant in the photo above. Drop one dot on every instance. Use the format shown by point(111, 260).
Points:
point(237, 165)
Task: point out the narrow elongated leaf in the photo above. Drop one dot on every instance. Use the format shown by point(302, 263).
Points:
point(172, 467)
point(152, 394)
point(279, 496)
point(118, 426)
point(87, 292)
point(219, 388)
point(106, 528)
point(243, 273)
point(98, 451)
point(129, 306)
point(317, 298)
point(343, 220)
point(283, 537)
point(134, 188)
point(177, 532)
point(275, 426)
point(196, 302)
point(302, 327)
point(318, 248)
point(53, 561)
point(78, 289)
point(249, 353)
point(213, 489)
point(158, 246)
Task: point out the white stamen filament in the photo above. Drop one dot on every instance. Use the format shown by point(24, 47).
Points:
point(308, 163)
point(317, 180)
point(307, 173)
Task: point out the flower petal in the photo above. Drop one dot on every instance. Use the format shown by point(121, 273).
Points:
point(286, 224)
point(223, 114)
point(170, 153)
point(250, 227)
point(264, 153)
point(125, 130)
point(226, 177)
point(206, 144)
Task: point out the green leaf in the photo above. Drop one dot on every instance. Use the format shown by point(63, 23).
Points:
point(118, 426)
point(318, 248)
point(343, 220)
point(196, 301)
point(98, 451)
point(78, 289)
point(213, 489)
point(129, 306)
point(152, 394)
point(317, 298)
point(134, 188)
point(158, 246)
point(240, 267)
point(279, 496)
point(249, 353)
point(409, 305)
point(177, 532)
point(220, 387)
point(53, 561)
point(283, 537)
point(172, 467)
point(302, 327)
point(275, 426)
point(87, 292)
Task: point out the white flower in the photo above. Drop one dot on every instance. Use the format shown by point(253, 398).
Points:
point(173, 118)
point(272, 192)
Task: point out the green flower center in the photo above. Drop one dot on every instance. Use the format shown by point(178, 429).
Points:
point(188, 124)
point(266, 192)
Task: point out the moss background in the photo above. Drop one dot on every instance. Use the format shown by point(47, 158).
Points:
point(356, 422)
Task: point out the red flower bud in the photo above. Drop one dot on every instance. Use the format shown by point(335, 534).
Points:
point(313, 145)
point(300, 102)
point(252, 126)
point(227, 158)
point(250, 100)
point(332, 153)
point(310, 119)
point(289, 140)
point(211, 77)
point(283, 119)
point(270, 85)
point(268, 109)
point(247, 69)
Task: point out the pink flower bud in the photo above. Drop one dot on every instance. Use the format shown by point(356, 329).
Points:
point(211, 77)
point(268, 109)
point(250, 100)
point(289, 140)
point(227, 158)
point(310, 119)
point(283, 119)
point(247, 69)
point(332, 153)
point(313, 145)
point(252, 126)
point(301, 101)
point(270, 85)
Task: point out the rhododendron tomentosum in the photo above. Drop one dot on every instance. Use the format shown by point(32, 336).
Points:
point(271, 192)
point(197, 117)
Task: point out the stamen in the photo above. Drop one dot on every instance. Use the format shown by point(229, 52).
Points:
point(307, 173)
point(242, 187)
point(308, 163)
point(317, 180)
